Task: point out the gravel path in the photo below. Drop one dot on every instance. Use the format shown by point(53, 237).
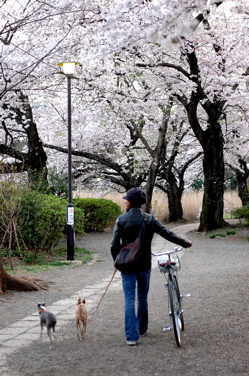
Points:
point(215, 340)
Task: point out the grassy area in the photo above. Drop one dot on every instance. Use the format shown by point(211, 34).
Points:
point(45, 262)
point(220, 233)
point(191, 203)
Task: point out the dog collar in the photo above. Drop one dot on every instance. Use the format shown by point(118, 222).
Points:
point(41, 310)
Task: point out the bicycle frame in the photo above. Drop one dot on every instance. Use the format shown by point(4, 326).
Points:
point(169, 267)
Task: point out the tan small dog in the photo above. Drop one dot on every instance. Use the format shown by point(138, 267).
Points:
point(81, 318)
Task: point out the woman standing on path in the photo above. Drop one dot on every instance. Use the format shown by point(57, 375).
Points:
point(126, 231)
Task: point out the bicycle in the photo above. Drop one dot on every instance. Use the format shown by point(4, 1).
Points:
point(169, 266)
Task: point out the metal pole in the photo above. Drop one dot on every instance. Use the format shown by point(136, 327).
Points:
point(70, 207)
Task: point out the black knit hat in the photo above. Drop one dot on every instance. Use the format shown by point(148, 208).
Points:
point(135, 194)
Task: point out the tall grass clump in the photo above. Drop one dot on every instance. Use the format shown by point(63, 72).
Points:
point(191, 202)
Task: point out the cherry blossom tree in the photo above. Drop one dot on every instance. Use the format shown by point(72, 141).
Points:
point(237, 149)
point(203, 86)
point(33, 159)
point(171, 175)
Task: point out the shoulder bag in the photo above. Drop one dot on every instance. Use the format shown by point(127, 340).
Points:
point(129, 253)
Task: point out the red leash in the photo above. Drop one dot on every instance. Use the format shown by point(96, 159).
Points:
point(104, 292)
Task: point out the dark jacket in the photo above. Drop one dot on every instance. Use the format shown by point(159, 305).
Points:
point(126, 230)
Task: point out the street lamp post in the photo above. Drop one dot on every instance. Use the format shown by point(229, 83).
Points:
point(68, 69)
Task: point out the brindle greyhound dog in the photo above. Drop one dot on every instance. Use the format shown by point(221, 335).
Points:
point(48, 319)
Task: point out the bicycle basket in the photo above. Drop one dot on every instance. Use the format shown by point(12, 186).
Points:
point(164, 263)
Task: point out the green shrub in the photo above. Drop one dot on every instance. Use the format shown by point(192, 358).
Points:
point(79, 221)
point(242, 212)
point(35, 220)
point(58, 183)
point(231, 232)
point(220, 234)
point(99, 213)
point(212, 235)
point(43, 219)
point(30, 258)
point(14, 253)
point(30, 207)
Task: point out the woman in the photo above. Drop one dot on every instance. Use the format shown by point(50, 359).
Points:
point(126, 230)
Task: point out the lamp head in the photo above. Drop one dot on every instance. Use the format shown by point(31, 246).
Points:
point(68, 68)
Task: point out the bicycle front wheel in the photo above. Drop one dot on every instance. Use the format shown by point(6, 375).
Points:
point(174, 314)
point(180, 302)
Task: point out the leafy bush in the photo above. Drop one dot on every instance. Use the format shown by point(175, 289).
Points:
point(14, 253)
point(231, 232)
point(220, 234)
point(44, 219)
point(55, 182)
point(213, 235)
point(242, 212)
point(197, 184)
point(31, 258)
point(58, 183)
point(99, 213)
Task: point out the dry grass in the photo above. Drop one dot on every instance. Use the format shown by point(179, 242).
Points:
point(191, 203)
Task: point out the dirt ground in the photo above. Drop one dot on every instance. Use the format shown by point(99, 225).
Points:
point(215, 339)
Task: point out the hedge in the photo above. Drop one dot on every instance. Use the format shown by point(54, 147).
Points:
point(41, 220)
point(99, 213)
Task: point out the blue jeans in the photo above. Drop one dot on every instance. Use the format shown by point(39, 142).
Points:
point(136, 325)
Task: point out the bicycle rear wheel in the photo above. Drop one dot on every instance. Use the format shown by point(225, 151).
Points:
point(180, 302)
point(174, 314)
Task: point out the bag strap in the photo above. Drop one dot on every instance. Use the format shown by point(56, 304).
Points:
point(142, 225)
point(141, 233)
point(148, 217)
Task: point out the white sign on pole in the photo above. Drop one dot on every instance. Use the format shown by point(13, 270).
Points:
point(70, 215)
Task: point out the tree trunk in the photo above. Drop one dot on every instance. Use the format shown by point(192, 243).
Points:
point(174, 198)
point(174, 191)
point(158, 154)
point(175, 207)
point(174, 195)
point(212, 143)
point(213, 169)
point(243, 190)
point(150, 184)
point(34, 161)
point(9, 282)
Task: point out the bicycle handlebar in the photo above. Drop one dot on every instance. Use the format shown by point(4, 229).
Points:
point(176, 249)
